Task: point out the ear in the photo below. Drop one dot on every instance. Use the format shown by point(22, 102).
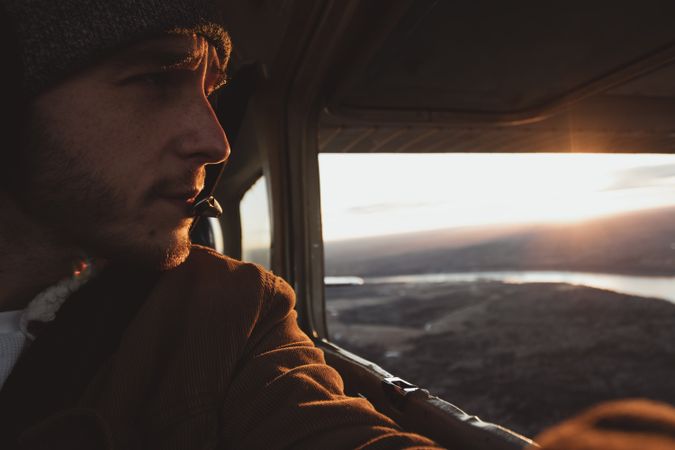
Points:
point(13, 105)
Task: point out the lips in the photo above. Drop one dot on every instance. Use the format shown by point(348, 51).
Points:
point(183, 199)
point(178, 189)
point(186, 195)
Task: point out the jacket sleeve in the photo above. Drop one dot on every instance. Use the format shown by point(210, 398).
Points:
point(617, 425)
point(288, 397)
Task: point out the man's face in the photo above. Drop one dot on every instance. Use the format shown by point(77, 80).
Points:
point(117, 153)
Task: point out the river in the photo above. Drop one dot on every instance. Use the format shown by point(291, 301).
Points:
point(643, 286)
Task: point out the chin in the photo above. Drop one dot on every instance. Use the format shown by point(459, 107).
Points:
point(173, 252)
point(175, 255)
point(155, 250)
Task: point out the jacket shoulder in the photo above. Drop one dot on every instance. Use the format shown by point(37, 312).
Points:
point(209, 259)
point(207, 265)
point(239, 284)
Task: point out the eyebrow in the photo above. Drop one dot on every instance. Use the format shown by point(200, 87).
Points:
point(162, 57)
point(166, 57)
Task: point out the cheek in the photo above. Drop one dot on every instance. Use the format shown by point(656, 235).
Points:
point(119, 139)
point(112, 141)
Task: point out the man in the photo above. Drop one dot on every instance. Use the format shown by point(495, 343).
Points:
point(114, 331)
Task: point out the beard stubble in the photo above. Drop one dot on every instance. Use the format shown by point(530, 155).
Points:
point(85, 209)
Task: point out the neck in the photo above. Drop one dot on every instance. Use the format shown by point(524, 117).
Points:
point(32, 258)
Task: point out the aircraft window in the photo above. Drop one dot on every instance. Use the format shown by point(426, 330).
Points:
point(521, 287)
point(255, 224)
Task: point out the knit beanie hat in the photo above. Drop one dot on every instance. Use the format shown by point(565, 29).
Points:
point(56, 38)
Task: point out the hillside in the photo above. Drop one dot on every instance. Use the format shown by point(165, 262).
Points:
point(641, 242)
point(524, 356)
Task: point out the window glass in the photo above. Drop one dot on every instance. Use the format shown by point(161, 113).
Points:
point(521, 287)
point(216, 232)
point(255, 224)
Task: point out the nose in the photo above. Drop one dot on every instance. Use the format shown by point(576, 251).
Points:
point(204, 140)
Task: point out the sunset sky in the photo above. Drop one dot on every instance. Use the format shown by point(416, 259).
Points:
point(378, 194)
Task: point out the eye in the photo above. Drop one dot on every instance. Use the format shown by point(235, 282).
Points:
point(153, 78)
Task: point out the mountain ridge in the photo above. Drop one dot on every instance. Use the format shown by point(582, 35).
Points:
point(637, 242)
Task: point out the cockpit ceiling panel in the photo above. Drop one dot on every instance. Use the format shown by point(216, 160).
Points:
point(523, 139)
point(659, 84)
point(501, 57)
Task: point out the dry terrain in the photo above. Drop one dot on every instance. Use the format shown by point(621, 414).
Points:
point(524, 356)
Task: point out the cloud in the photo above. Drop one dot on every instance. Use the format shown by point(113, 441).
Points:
point(643, 176)
point(386, 207)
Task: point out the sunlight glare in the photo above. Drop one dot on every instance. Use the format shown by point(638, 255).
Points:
point(377, 194)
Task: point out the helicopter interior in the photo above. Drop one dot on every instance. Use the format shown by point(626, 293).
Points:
point(425, 76)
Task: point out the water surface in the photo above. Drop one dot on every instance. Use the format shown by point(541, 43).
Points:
point(644, 286)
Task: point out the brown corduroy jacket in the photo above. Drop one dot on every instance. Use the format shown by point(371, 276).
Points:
point(617, 425)
point(205, 356)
